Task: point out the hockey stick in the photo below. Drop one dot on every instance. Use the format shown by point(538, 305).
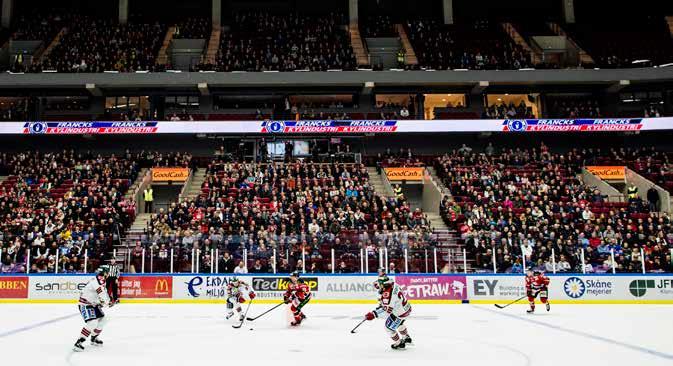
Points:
point(358, 326)
point(244, 315)
point(514, 302)
point(264, 313)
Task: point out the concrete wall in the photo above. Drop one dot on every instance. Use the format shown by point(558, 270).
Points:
point(591, 180)
point(432, 194)
point(644, 185)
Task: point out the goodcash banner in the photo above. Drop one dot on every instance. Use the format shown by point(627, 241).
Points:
point(336, 126)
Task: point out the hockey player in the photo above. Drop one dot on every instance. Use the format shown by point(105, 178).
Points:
point(537, 284)
point(236, 291)
point(92, 298)
point(392, 301)
point(298, 295)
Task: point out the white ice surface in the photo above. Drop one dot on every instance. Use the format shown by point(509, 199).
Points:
point(144, 334)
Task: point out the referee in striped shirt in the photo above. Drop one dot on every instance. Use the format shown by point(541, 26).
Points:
point(113, 280)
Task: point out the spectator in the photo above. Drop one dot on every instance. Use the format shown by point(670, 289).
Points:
point(241, 268)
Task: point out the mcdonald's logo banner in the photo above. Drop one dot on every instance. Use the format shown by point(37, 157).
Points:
point(139, 287)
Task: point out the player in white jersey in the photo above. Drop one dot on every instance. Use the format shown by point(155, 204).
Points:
point(92, 298)
point(392, 301)
point(237, 291)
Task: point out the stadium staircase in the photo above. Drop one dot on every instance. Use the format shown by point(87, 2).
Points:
point(162, 57)
point(669, 21)
point(193, 188)
point(53, 44)
point(449, 244)
point(584, 57)
point(409, 53)
point(380, 182)
point(520, 41)
point(359, 48)
point(213, 46)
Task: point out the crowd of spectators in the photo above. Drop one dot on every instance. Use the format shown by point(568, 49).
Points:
point(97, 45)
point(14, 110)
point(653, 164)
point(574, 108)
point(636, 42)
point(508, 111)
point(522, 205)
point(378, 26)
point(477, 46)
point(284, 208)
point(38, 27)
point(56, 206)
point(193, 28)
point(269, 42)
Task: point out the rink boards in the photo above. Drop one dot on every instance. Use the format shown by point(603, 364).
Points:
point(348, 289)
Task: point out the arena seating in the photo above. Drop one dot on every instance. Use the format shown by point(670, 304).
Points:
point(286, 207)
point(578, 107)
point(264, 41)
point(508, 111)
point(59, 205)
point(97, 45)
point(479, 45)
point(193, 28)
point(378, 26)
point(530, 202)
point(633, 42)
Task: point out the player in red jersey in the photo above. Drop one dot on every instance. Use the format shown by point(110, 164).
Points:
point(298, 295)
point(537, 284)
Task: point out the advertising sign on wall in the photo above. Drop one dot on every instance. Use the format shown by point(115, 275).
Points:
point(433, 287)
point(608, 172)
point(13, 287)
point(170, 174)
point(398, 174)
point(146, 287)
point(56, 287)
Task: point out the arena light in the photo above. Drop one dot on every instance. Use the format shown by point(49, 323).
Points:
point(270, 71)
point(49, 71)
point(110, 72)
point(142, 72)
point(174, 71)
point(640, 61)
point(364, 69)
point(461, 70)
point(666, 65)
point(527, 69)
point(15, 73)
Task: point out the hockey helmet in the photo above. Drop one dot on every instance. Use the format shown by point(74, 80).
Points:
point(102, 271)
point(295, 274)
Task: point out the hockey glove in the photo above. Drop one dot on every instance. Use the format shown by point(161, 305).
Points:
point(370, 316)
point(252, 295)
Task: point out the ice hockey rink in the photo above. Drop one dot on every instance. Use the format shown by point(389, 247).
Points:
point(198, 334)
